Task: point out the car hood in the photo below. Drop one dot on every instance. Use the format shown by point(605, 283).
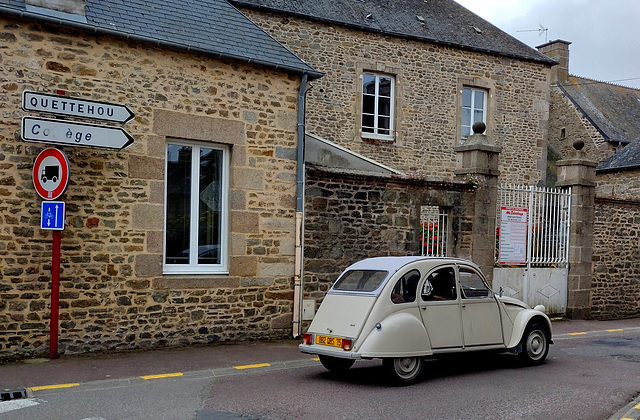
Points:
point(515, 302)
point(342, 315)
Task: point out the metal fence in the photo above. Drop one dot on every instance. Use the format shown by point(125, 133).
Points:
point(434, 231)
point(547, 222)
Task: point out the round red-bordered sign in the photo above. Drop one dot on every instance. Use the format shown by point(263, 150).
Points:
point(51, 173)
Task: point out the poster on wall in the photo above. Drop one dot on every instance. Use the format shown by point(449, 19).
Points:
point(512, 249)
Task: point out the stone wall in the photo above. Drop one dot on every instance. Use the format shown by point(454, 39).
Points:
point(429, 81)
point(615, 289)
point(621, 185)
point(563, 115)
point(349, 218)
point(113, 293)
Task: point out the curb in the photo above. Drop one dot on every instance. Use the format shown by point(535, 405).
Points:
point(630, 412)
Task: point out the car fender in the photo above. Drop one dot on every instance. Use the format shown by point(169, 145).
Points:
point(523, 319)
point(400, 334)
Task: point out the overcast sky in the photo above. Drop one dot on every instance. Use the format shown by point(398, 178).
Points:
point(604, 34)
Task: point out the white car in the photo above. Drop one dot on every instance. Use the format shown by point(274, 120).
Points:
point(405, 309)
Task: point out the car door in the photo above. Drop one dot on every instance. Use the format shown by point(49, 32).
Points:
point(481, 319)
point(440, 308)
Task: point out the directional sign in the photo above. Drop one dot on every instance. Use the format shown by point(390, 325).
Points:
point(53, 214)
point(72, 133)
point(76, 107)
point(51, 173)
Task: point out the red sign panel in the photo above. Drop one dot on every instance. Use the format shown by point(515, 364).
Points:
point(51, 173)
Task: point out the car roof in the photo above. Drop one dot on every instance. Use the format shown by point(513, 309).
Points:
point(393, 264)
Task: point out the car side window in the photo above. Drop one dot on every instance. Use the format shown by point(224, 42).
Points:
point(406, 288)
point(472, 285)
point(440, 285)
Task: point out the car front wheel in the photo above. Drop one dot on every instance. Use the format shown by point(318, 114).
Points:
point(404, 370)
point(336, 364)
point(535, 345)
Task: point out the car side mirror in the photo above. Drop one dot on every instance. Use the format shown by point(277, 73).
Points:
point(501, 291)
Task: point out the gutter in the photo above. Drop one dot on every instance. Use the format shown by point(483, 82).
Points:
point(98, 30)
point(298, 294)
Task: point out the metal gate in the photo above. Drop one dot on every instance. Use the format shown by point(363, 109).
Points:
point(532, 245)
point(434, 231)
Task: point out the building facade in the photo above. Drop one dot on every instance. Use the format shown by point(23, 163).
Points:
point(213, 168)
point(403, 85)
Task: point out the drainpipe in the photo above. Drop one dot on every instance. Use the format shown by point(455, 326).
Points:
point(299, 266)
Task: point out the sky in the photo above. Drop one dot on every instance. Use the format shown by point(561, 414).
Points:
point(604, 34)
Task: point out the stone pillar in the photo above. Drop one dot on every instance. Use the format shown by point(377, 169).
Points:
point(579, 173)
point(477, 162)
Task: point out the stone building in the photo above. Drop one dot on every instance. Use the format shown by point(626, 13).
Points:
point(213, 168)
point(404, 82)
point(605, 118)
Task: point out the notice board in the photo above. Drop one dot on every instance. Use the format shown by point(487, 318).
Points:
point(512, 249)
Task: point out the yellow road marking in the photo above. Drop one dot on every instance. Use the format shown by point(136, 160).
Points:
point(617, 329)
point(578, 333)
point(252, 366)
point(164, 375)
point(40, 388)
point(637, 407)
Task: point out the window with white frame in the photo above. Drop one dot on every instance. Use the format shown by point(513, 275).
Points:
point(196, 185)
point(474, 108)
point(377, 106)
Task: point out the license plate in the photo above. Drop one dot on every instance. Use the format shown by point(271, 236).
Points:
point(326, 340)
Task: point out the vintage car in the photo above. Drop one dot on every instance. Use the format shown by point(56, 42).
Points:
point(405, 309)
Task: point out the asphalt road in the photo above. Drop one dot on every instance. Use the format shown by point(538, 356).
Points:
point(592, 372)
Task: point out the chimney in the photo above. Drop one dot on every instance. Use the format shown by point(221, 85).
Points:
point(557, 50)
point(72, 7)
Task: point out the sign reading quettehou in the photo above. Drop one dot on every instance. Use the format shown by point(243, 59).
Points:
point(72, 133)
point(75, 107)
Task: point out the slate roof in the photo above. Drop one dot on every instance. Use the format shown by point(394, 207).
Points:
point(436, 21)
point(614, 111)
point(627, 159)
point(212, 27)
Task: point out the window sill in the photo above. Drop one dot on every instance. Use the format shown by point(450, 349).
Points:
point(182, 281)
point(373, 138)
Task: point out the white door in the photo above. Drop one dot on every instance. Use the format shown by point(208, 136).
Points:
point(480, 313)
point(440, 309)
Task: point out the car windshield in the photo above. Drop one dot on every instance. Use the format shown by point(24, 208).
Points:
point(360, 280)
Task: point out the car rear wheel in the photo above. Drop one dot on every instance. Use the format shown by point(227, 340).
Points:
point(535, 344)
point(404, 370)
point(336, 364)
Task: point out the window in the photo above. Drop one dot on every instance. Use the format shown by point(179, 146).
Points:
point(196, 208)
point(360, 280)
point(440, 285)
point(377, 106)
point(474, 108)
point(406, 287)
point(473, 287)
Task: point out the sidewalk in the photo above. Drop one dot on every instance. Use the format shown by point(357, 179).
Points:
point(31, 373)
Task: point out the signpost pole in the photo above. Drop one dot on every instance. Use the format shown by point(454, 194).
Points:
point(55, 294)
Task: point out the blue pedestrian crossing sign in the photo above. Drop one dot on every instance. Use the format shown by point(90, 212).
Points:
point(53, 213)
